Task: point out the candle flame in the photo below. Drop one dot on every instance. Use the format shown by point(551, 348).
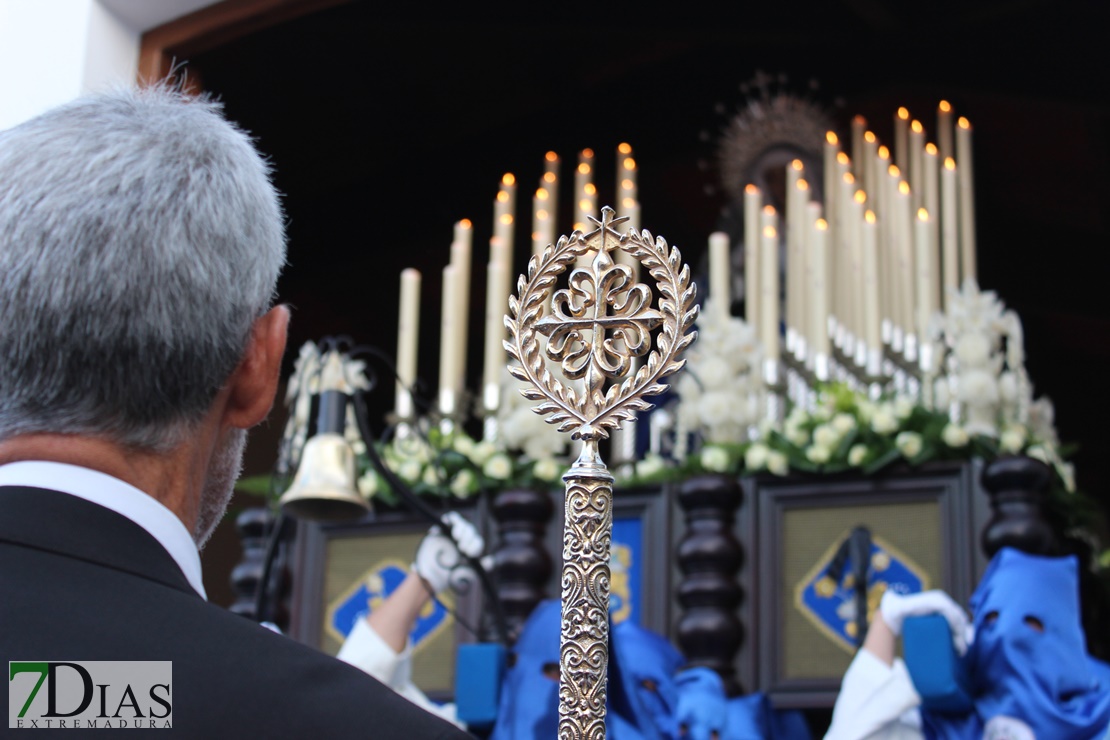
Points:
point(821, 224)
point(506, 218)
point(869, 216)
point(590, 189)
point(585, 204)
point(502, 196)
point(537, 236)
point(842, 158)
point(949, 163)
point(922, 214)
point(751, 189)
point(797, 165)
point(830, 136)
point(508, 179)
point(629, 202)
point(465, 223)
point(916, 127)
point(542, 194)
point(893, 170)
point(769, 210)
point(860, 197)
point(904, 188)
point(769, 232)
point(551, 157)
point(931, 149)
point(904, 113)
point(802, 184)
point(859, 120)
point(549, 177)
point(587, 153)
point(624, 148)
point(584, 168)
point(629, 163)
point(849, 178)
point(541, 214)
point(627, 184)
point(945, 107)
point(963, 123)
point(869, 137)
point(884, 152)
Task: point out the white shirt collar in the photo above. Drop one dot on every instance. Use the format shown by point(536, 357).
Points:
point(120, 497)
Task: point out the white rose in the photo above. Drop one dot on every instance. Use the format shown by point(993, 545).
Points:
point(909, 444)
point(818, 454)
point(463, 444)
point(714, 373)
point(1007, 387)
point(498, 467)
point(941, 395)
point(713, 408)
point(756, 457)
point(825, 436)
point(1038, 452)
point(977, 387)
point(797, 435)
point(777, 463)
point(464, 484)
point(973, 350)
point(650, 465)
point(797, 416)
point(546, 469)
point(431, 477)
point(866, 410)
point(843, 423)
point(482, 452)
point(856, 455)
point(883, 420)
point(1013, 438)
point(954, 435)
point(410, 471)
point(903, 407)
point(714, 458)
point(368, 484)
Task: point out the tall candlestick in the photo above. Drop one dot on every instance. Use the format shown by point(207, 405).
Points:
point(720, 273)
point(768, 216)
point(866, 166)
point(460, 260)
point(901, 139)
point(793, 235)
point(464, 231)
point(584, 190)
point(550, 183)
point(903, 214)
point(871, 319)
point(447, 355)
point(408, 329)
point(494, 356)
point(931, 203)
point(881, 206)
point(541, 220)
point(967, 200)
point(627, 192)
point(859, 126)
point(800, 256)
point(831, 175)
point(753, 202)
point(944, 130)
point(949, 232)
point(926, 291)
point(819, 287)
point(769, 284)
point(917, 171)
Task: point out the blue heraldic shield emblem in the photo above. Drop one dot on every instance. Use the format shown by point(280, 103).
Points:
point(828, 599)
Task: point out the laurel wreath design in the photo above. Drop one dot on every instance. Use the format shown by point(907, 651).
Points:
point(592, 414)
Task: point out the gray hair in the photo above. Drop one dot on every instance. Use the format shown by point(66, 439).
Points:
point(140, 237)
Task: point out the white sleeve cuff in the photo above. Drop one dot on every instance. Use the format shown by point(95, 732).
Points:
point(366, 650)
point(874, 696)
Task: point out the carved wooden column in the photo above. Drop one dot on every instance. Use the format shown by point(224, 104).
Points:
point(709, 555)
point(1016, 486)
point(521, 562)
point(254, 526)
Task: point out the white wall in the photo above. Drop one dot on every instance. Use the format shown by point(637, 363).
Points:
point(54, 50)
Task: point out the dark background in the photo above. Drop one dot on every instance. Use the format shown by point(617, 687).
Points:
point(386, 126)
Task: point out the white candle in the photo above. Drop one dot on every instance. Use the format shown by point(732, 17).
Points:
point(917, 171)
point(504, 210)
point(460, 260)
point(550, 183)
point(819, 289)
point(768, 216)
point(408, 329)
point(871, 319)
point(812, 325)
point(584, 191)
point(949, 231)
point(464, 231)
point(967, 200)
point(944, 130)
point(901, 139)
point(881, 206)
point(753, 202)
point(627, 193)
point(769, 283)
point(904, 215)
point(831, 175)
point(791, 220)
point(924, 250)
point(866, 163)
point(720, 273)
point(447, 356)
point(931, 203)
point(799, 224)
point(859, 126)
point(541, 220)
point(494, 356)
point(622, 257)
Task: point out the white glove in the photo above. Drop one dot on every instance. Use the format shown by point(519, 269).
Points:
point(438, 561)
point(895, 607)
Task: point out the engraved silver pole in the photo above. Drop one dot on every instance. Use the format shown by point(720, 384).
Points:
point(595, 328)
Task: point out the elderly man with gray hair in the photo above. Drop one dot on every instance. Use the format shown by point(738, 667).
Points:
point(140, 244)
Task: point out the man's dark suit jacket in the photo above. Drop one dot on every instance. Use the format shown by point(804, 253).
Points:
point(79, 582)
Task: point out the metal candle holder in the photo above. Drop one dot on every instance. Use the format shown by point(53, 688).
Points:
point(595, 327)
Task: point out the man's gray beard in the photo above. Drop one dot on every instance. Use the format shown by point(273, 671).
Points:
point(223, 472)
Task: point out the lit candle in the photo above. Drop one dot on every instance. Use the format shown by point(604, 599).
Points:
point(627, 193)
point(791, 220)
point(926, 292)
point(753, 202)
point(859, 126)
point(769, 284)
point(720, 273)
point(917, 154)
point(944, 129)
point(871, 320)
point(903, 214)
point(584, 190)
point(447, 355)
point(967, 200)
point(619, 255)
point(541, 218)
point(831, 175)
point(866, 163)
point(819, 288)
point(812, 326)
point(464, 231)
point(494, 355)
point(931, 203)
point(550, 183)
point(901, 139)
point(881, 206)
point(798, 223)
point(504, 208)
point(949, 231)
point(408, 329)
point(460, 260)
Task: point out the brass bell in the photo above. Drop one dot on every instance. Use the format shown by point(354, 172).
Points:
point(324, 487)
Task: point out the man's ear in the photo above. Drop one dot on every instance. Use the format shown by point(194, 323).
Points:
point(253, 385)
